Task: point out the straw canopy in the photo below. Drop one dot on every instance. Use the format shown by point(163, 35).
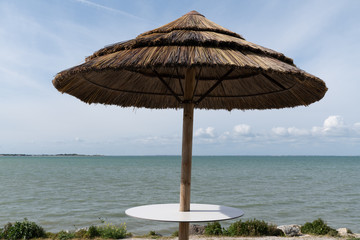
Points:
point(230, 72)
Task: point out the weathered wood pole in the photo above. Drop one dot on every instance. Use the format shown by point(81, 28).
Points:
point(185, 184)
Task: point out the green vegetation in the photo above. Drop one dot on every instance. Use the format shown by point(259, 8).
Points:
point(214, 229)
point(153, 235)
point(22, 230)
point(318, 227)
point(112, 231)
point(28, 230)
point(108, 231)
point(92, 232)
point(253, 228)
point(250, 228)
point(175, 234)
point(63, 235)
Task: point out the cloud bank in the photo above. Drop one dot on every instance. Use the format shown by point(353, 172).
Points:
point(334, 130)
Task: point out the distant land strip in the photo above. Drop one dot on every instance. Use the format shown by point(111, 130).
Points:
point(47, 155)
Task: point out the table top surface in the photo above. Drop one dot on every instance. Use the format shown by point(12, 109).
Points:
point(198, 213)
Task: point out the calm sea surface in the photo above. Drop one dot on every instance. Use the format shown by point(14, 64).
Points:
point(65, 193)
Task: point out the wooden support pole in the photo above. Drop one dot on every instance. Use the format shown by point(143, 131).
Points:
point(185, 184)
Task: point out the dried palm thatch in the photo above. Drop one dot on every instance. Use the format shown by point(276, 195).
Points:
point(231, 73)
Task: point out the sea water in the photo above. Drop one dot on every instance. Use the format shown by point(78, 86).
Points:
point(67, 193)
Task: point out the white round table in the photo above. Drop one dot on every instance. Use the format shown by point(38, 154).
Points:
point(198, 213)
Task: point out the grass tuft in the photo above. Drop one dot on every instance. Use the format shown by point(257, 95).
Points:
point(111, 231)
point(318, 227)
point(253, 228)
point(213, 229)
point(22, 230)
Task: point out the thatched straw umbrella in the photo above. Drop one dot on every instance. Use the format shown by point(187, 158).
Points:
point(190, 63)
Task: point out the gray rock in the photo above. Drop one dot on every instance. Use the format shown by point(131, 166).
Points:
point(344, 232)
point(290, 230)
point(196, 229)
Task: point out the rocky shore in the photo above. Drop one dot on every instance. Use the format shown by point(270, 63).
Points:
point(292, 232)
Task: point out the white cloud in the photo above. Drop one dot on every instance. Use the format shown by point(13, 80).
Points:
point(281, 131)
point(291, 131)
point(242, 129)
point(333, 122)
point(159, 140)
point(333, 126)
point(297, 132)
point(205, 133)
point(332, 130)
point(77, 139)
point(224, 136)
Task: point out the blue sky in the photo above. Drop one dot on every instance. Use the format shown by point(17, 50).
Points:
point(40, 38)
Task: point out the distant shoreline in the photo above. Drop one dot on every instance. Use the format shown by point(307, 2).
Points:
point(49, 155)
